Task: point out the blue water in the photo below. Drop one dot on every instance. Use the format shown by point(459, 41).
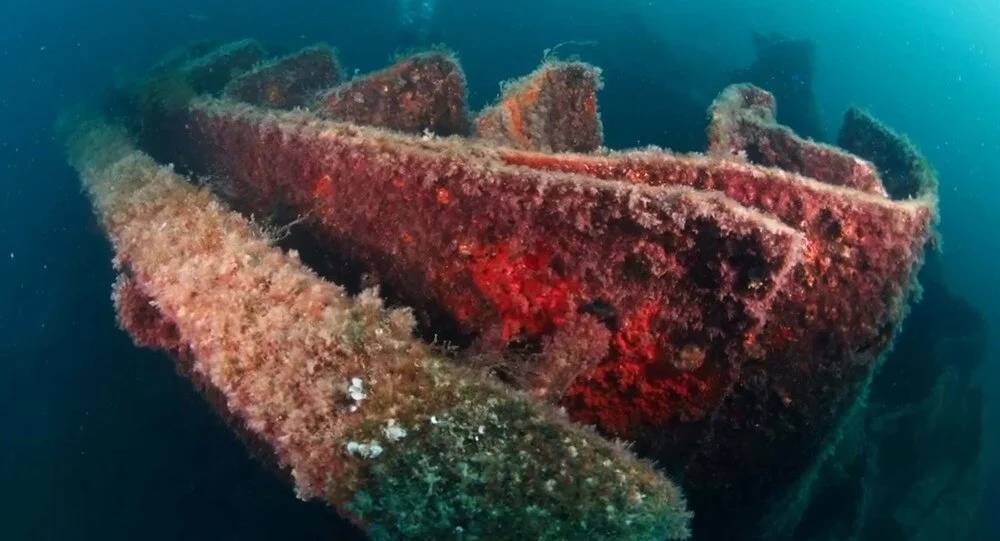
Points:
point(100, 440)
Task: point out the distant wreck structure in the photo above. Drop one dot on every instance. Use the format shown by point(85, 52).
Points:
point(723, 311)
point(287, 82)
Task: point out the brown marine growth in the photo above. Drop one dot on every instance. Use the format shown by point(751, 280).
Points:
point(289, 81)
point(553, 109)
point(423, 92)
point(210, 72)
point(742, 124)
point(338, 392)
point(515, 255)
point(722, 314)
point(826, 329)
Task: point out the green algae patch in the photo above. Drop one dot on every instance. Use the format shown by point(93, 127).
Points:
point(490, 465)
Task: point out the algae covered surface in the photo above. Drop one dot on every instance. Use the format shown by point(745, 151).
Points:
point(449, 269)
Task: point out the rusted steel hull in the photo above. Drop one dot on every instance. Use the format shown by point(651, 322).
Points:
point(723, 311)
point(680, 280)
point(827, 327)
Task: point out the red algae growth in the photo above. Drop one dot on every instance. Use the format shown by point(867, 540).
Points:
point(722, 310)
point(335, 388)
point(554, 109)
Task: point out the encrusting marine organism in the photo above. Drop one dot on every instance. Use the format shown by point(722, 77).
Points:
point(360, 413)
point(721, 310)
